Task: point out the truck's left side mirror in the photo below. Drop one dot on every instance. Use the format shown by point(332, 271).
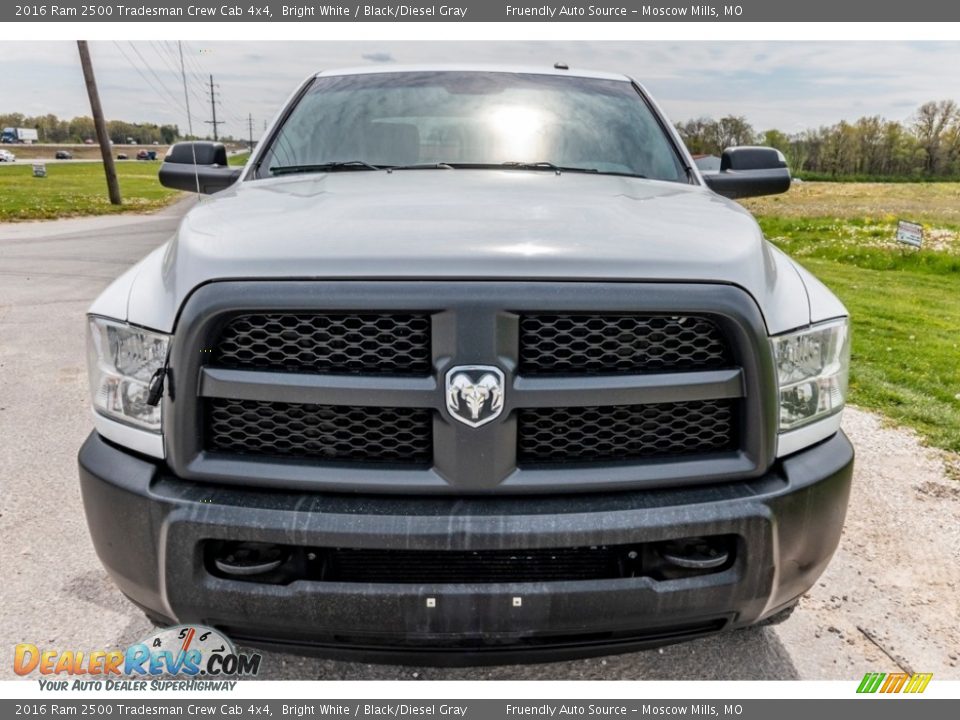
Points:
point(198, 167)
point(750, 172)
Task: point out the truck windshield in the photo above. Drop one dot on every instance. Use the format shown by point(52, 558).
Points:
point(472, 119)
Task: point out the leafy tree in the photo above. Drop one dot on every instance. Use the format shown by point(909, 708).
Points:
point(926, 146)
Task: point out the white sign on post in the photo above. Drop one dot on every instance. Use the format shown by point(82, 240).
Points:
point(910, 233)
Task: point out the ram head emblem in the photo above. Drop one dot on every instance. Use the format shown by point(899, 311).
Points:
point(474, 394)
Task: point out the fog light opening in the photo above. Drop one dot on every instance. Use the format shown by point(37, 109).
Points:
point(245, 559)
point(694, 553)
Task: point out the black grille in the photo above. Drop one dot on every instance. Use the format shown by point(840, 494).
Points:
point(320, 432)
point(355, 343)
point(481, 566)
point(284, 564)
point(597, 344)
point(624, 432)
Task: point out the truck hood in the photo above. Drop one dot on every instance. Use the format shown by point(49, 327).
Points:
point(460, 224)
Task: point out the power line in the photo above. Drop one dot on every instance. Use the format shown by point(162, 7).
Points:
point(198, 72)
point(190, 62)
point(166, 61)
point(213, 110)
point(196, 66)
point(176, 65)
point(186, 95)
point(153, 72)
point(149, 83)
point(172, 67)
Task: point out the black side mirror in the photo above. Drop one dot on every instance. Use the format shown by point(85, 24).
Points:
point(198, 167)
point(750, 172)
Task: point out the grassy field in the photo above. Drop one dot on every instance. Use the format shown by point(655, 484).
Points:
point(905, 303)
point(78, 189)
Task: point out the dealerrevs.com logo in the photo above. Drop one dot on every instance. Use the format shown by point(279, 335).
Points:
point(195, 656)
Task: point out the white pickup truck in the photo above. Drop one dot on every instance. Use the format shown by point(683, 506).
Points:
point(467, 365)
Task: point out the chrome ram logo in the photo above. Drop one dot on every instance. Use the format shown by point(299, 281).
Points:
point(474, 394)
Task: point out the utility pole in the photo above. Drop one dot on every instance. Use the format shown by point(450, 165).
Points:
point(213, 109)
point(113, 186)
point(250, 128)
point(186, 95)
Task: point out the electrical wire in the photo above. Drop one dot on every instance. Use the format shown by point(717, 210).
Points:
point(170, 96)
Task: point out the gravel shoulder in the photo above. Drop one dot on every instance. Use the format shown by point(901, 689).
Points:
point(888, 601)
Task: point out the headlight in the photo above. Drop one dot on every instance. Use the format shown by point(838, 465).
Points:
point(812, 369)
point(121, 360)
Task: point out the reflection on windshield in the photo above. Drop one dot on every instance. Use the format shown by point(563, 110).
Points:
point(474, 119)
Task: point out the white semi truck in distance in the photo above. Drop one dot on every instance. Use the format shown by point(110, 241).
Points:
point(24, 136)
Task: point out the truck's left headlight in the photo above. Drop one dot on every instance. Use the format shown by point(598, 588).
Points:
point(121, 360)
point(812, 369)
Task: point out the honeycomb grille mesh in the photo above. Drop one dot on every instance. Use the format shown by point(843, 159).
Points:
point(320, 432)
point(479, 566)
point(355, 343)
point(624, 432)
point(597, 344)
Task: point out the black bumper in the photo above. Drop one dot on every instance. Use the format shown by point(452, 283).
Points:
point(149, 529)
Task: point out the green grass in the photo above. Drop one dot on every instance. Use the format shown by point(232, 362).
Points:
point(906, 344)
point(239, 159)
point(904, 303)
point(78, 189)
point(864, 178)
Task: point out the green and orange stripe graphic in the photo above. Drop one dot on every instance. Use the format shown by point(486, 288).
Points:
point(894, 683)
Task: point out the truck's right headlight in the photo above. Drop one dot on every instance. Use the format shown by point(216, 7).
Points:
point(121, 360)
point(812, 369)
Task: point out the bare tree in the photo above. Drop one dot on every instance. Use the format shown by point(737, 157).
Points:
point(930, 126)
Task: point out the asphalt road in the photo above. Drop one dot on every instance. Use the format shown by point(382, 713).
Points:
point(55, 592)
point(54, 161)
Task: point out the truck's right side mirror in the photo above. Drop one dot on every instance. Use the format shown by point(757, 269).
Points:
point(198, 167)
point(749, 172)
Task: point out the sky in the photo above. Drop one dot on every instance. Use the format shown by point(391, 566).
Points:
point(787, 85)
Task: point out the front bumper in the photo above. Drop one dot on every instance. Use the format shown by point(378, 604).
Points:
point(149, 528)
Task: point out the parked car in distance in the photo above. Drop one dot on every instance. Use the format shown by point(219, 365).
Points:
point(121, 156)
point(63, 155)
point(7, 156)
point(147, 155)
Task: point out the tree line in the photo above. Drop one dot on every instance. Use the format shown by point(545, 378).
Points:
point(925, 146)
point(52, 129)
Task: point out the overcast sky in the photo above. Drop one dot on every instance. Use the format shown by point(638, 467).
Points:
point(788, 85)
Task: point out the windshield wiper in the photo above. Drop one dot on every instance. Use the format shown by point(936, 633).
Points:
point(323, 167)
point(421, 166)
point(542, 165)
point(546, 165)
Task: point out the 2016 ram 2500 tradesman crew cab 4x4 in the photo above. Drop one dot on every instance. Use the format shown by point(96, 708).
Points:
point(467, 364)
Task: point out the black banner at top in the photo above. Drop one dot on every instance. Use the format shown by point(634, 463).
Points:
point(635, 11)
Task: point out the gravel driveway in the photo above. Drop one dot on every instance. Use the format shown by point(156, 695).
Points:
point(890, 599)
